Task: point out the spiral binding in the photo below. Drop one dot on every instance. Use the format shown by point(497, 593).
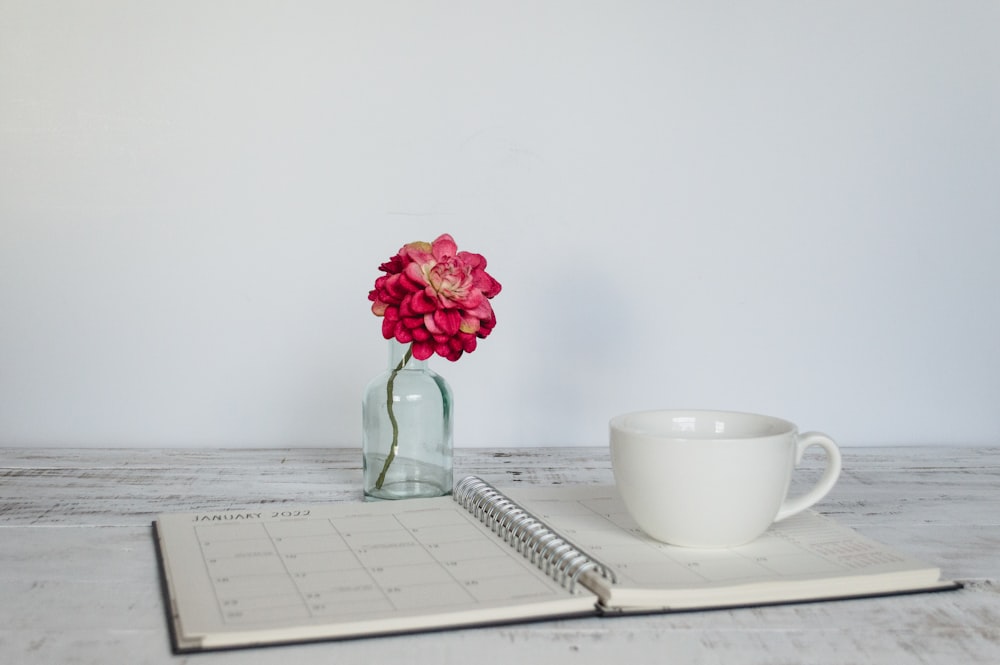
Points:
point(556, 556)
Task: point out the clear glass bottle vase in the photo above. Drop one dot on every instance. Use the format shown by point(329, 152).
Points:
point(407, 449)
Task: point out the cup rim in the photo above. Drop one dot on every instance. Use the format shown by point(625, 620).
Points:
point(779, 426)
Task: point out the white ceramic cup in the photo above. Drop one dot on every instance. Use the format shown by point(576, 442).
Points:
point(712, 479)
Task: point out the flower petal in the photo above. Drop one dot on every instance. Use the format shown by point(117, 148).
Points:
point(422, 350)
point(446, 320)
point(444, 247)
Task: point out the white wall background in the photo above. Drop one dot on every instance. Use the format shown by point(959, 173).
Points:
point(786, 207)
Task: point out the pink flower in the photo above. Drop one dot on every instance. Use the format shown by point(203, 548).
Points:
point(436, 298)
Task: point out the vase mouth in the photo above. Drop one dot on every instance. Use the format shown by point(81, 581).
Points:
point(398, 351)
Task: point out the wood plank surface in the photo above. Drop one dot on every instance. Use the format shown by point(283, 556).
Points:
point(79, 584)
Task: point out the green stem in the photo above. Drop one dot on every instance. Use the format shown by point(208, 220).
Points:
point(392, 417)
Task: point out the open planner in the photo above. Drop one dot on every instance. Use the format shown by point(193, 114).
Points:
point(482, 556)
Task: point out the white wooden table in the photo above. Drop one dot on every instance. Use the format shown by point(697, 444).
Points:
point(79, 583)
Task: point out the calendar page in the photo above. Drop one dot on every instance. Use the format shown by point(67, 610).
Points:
point(805, 556)
point(326, 571)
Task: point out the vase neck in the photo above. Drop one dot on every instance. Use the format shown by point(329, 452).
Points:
point(397, 352)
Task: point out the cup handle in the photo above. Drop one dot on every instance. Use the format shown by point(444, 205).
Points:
point(797, 504)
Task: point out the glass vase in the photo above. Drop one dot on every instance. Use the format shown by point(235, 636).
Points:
point(406, 430)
